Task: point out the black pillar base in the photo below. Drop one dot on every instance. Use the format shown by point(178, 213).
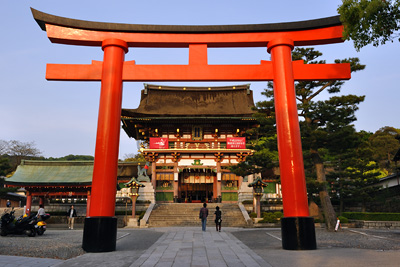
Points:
point(100, 234)
point(298, 233)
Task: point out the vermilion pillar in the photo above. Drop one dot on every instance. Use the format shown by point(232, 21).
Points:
point(41, 201)
point(298, 231)
point(88, 203)
point(28, 203)
point(100, 229)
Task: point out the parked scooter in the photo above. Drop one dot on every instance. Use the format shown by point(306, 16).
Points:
point(41, 224)
point(22, 225)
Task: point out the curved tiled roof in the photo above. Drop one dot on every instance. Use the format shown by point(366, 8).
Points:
point(52, 173)
point(168, 101)
point(63, 173)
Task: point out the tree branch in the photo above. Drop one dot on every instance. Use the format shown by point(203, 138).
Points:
point(320, 90)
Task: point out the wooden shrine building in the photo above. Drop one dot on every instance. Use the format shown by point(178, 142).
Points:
point(61, 179)
point(191, 135)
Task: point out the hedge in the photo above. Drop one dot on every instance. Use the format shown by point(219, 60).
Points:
point(372, 216)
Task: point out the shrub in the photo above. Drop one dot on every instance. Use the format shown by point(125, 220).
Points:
point(269, 217)
point(372, 216)
point(253, 215)
point(279, 214)
point(343, 219)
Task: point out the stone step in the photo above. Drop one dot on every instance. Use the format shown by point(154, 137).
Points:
point(185, 214)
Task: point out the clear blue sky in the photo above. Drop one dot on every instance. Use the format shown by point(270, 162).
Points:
point(61, 117)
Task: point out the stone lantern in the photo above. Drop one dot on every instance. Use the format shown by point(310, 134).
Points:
point(133, 193)
point(258, 190)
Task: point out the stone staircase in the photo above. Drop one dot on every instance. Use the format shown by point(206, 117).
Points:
point(187, 214)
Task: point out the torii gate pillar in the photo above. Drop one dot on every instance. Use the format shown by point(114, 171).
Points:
point(298, 230)
point(100, 229)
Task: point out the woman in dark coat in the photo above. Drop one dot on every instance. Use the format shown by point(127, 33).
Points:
point(218, 219)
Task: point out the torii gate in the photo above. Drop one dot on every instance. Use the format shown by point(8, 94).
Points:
point(298, 231)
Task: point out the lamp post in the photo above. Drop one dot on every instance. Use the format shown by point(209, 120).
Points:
point(258, 190)
point(133, 186)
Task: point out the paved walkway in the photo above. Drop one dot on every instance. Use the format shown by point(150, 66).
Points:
point(176, 247)
point(197, 248)
point(189, 246)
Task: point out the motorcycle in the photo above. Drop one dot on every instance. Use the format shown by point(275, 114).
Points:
point(41, 224)
point(22, 225)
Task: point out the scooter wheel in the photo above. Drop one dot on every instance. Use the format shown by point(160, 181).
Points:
point(31, 232)
point(3, 232)
point(40, 231)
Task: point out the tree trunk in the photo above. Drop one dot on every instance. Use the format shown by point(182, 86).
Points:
point(327, 208)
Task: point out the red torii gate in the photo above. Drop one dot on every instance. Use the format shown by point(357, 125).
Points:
point(100, 229)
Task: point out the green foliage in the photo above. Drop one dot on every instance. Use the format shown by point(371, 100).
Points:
point(343, 219)
point(264, 157)
point(5, 190)
point(227, 196)
point(134, 158)
point(269, 217)
point(164, 196)
point(370, 21)
point(372, 216)
point(72, 158)
point(253, 215)
point(5, 166)
point(384, 144)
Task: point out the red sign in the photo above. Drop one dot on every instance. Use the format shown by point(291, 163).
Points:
point(158, 143)
point(236, 142)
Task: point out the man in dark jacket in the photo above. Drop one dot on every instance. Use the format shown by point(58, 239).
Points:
point(71, 214)
point(203, 216)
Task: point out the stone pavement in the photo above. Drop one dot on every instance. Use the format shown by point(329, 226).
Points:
point(197, 248)
point(14, 261)
point(189, 246)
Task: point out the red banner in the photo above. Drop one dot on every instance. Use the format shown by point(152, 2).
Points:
point(236, 143)
point(158, 143)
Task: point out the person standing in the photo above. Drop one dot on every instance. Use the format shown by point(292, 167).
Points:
point(40, 212)
point(71, 217)
point(218, 219)
point(203, 216)
point(8, 203)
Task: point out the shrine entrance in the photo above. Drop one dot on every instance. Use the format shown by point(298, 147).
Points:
point(279, 39)
point(196, 186)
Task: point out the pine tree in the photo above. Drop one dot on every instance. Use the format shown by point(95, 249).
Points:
point(325, 124)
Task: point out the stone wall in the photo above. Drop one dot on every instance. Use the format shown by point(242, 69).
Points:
point(377, 224)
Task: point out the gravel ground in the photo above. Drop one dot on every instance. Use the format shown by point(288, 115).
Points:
point(66, 244)
point(55, 244)
point(344, 238)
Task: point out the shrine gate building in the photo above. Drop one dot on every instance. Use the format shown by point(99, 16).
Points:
point(191, 136)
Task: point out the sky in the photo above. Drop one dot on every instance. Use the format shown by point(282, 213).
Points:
point(61, 117)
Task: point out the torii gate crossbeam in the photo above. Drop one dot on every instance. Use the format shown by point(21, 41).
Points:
point(298, 231)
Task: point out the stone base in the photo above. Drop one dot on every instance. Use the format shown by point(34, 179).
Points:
point(147, 193)
point(133, 222)
point(100, 234)
point(298, 233)
point(256, 220)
